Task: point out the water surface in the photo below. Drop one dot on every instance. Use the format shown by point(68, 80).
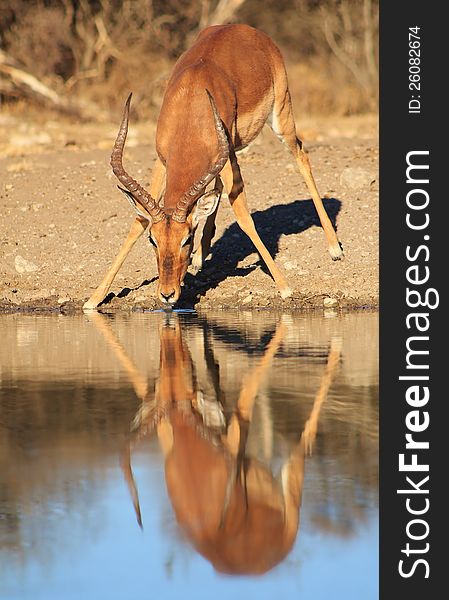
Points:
point(245, 444)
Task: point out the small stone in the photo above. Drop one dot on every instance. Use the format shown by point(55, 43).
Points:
point(357, 178)
point(43, 293)
point(328, 302)
point(289, 265)
point(247, 300)
point(24, 266)
point(10, 296)
point(63, 299)
point(34, 295)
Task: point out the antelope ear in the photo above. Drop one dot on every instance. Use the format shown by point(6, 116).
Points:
point(137, 207)
point(205, 206)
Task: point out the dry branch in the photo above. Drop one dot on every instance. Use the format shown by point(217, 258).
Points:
point(224, 12)
point(27, 82)
point(343, 56)
point(24, 84)
point(370, 54)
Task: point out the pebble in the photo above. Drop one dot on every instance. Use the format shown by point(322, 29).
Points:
point(24, 266)
point(10, 296)
point(289, 265)
point(357, 178)
point(328, 302)
point(32, 296)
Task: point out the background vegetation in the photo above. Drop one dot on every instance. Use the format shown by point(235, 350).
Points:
point(84, 56)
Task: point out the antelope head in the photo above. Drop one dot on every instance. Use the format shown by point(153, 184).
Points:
point(171, 230)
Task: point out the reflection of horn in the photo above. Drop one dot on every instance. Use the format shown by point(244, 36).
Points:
point(152, 413)
point(125, 463)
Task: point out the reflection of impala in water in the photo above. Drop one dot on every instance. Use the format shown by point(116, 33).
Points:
point(229, 505)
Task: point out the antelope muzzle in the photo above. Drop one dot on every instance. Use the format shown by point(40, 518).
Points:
point(173, 245)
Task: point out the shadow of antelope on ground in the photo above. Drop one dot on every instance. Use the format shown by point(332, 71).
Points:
point(234, 245)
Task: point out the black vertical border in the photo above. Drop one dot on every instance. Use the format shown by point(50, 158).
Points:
point(401, 132)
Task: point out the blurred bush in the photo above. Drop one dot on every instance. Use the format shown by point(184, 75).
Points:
point(99, 50)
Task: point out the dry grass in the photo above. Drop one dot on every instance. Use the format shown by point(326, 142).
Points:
point(99, 50)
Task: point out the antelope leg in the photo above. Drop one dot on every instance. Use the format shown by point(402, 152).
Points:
point(137, 228)
point(233, 183)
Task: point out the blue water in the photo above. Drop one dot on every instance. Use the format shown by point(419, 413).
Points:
point(67, 400)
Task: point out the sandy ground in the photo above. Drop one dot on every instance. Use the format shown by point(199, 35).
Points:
point(63, 219)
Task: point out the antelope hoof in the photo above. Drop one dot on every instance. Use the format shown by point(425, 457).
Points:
point(197, 263)
point(90, 304)
point(285, 293)
point(336, 251)
point(195, 269)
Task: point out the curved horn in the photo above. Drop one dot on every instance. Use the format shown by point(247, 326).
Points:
point(139, 193)
point(183, 205)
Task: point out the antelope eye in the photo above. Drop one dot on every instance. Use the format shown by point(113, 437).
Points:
point(152, 240)
point(187, 241)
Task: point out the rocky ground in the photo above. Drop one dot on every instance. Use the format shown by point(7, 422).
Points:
point(63, 219)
